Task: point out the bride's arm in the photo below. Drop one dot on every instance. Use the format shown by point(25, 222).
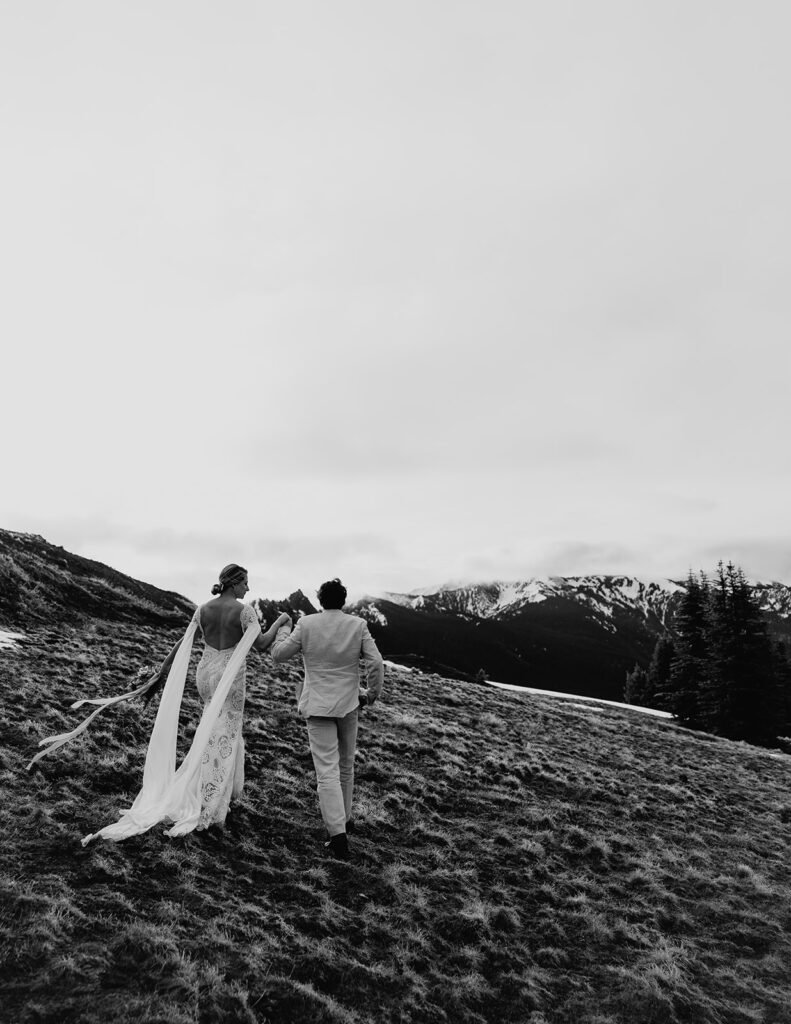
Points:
point(263, 642)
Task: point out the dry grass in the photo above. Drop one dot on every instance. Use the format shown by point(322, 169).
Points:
point(516, 859)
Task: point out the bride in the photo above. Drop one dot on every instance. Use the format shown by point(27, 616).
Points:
point(198, 794)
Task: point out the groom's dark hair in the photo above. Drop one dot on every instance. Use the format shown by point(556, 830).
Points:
point(332, 594)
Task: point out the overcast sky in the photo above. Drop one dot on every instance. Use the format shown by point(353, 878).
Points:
point(401, 292)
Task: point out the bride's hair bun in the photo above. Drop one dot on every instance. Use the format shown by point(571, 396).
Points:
point(229, 576)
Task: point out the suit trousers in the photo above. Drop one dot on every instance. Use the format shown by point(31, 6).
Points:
point(332, 743)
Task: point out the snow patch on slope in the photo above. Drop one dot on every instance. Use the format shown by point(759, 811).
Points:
point(576, 697)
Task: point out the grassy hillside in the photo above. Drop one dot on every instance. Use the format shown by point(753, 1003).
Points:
point(42, 583)
point(517, 858)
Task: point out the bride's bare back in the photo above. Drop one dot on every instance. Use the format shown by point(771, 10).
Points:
point(221, 623)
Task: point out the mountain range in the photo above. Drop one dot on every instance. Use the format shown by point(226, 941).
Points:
point(572, 634)
point(575, 634)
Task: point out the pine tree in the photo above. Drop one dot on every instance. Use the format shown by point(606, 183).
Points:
point(741, 692)
point(720, 643)
point(635, 690)
point(726, 675)
point(755, 705)
point(651, 688)
point(688, 665)
point(782, 675)
point(660, 672)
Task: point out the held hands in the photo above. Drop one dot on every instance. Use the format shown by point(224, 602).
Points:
point(284, 619)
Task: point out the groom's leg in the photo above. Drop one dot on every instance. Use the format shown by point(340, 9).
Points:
point(323, 736)
point(347, 744)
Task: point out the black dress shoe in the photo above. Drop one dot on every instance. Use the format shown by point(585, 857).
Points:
point(339, 846)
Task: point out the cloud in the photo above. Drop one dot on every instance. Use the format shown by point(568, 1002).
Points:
point(559, 558)
point(768, 559)
point(189, 561)
point(664, 556)
point(417, 448)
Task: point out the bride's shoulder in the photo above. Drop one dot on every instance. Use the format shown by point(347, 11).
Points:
point(248, 615)
point(204, 611)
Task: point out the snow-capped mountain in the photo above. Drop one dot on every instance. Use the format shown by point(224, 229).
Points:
point(554, 632)
point(601, 594)
point(656, 599)
point(774, 599)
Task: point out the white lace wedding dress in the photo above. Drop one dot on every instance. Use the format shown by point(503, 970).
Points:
point(222, 762)
point(198, 793)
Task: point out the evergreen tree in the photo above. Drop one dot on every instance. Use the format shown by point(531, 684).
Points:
point(782, 674)
point(651, 688)
point(754, 698)
point(720, 642)
point(688, 664)
point(726, 676)
point(635, 690)
point(660, 673)
point(740, 693)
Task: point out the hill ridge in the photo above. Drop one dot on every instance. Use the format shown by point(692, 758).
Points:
point(40, 582)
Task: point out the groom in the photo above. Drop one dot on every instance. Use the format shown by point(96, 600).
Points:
point(331, 645)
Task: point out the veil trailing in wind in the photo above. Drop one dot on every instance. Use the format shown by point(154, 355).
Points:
point(167, 794)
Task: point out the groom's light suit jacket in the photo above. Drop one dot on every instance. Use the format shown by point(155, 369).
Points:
point(332, 644)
